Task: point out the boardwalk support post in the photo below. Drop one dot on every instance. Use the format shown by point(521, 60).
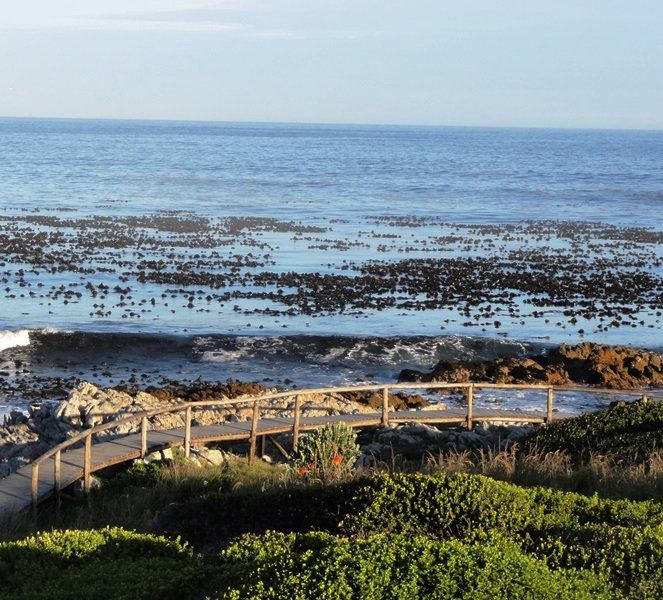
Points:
point(56, 475)
point(187, 432)
point(143, 437)
point(295, 425)
point(470, 400)
point(549, 405)
point(385, 407)
point(87, 462)
point(254, 431)
point(34, 488)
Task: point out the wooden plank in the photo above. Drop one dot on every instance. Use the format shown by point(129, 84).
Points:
point(187, 432)
point(385, 407)
point(143, 437)
point(254, 431)
point(56, 473)
point(295, 424)
point(470, 400)
point(87, 481)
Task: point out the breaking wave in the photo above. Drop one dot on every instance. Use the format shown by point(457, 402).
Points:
point(13, 339)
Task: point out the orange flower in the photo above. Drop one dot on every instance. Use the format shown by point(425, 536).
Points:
point(302, 470)
point(313, 466)
point(337, 459)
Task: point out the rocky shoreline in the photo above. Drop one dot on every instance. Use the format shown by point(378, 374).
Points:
point(24, 437)
point(616, 367)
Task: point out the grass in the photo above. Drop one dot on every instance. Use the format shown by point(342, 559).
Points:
point(607, 474)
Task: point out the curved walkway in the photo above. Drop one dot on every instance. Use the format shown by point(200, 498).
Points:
point(70, 461)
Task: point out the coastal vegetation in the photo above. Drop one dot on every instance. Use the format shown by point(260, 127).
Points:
point(175, 529)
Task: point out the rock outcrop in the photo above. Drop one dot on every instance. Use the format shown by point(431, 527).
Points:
point(617, 367)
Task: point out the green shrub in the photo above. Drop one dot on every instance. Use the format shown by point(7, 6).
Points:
point(627, 430)
point(104, 563)
point(139, 474)
point(629, 556)
point(575, 530)
point(327, 454)
point(455, 504)
point(323, 566)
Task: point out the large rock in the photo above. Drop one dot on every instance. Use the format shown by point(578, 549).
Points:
point(617, 367)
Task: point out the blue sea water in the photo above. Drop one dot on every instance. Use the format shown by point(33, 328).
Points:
point(319, 172)
point(337, 176)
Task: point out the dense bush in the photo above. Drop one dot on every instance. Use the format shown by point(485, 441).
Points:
point(104, 563)
point(380, 567)
point(620, 538)
point(629, 430)
point(632, 557)
point(456, 504)
point(463, 517)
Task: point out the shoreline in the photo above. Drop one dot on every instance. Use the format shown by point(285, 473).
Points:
point(56, 361)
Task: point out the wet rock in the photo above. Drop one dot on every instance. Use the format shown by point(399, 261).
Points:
point(617, 367)
point(398, 401)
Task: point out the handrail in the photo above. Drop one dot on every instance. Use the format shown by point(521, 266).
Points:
point(187, 407)
point(183, 406)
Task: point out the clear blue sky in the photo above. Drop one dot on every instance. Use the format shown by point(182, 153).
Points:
point(557, 63)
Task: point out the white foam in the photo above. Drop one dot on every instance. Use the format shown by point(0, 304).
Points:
point(11, 339)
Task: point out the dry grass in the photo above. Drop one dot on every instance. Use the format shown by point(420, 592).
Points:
point(600, 473)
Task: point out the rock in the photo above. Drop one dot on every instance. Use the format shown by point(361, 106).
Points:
point(617, 367)
point(470, 439)
point(211, 456)
point(77, 487)
point(398, 401)
point(159, 456)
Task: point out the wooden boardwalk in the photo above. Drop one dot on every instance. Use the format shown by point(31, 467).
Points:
point(16, 489)
point(78, 457)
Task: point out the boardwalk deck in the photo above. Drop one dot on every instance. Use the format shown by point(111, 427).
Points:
point(15, 490)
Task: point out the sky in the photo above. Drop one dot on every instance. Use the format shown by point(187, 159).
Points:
point(531, 63)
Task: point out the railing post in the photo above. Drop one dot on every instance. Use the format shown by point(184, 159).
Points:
point(385, 407)
point(470, 400)
point(295, 425)
point(187, 432)
point(254, 431)
point(34, 488)
point(143, 437)
point(56, 475)
point(87, 462)
point(549, 406)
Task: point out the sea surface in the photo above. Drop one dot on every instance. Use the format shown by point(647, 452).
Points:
point(351, 194)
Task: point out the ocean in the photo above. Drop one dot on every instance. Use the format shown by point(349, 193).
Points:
point(317, 254)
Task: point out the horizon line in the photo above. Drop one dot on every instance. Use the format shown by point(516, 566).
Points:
point(329, 123)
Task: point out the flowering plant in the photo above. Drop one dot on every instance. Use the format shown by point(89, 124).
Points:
point(327, 454)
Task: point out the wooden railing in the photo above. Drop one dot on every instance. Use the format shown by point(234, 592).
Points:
point(85, 437)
